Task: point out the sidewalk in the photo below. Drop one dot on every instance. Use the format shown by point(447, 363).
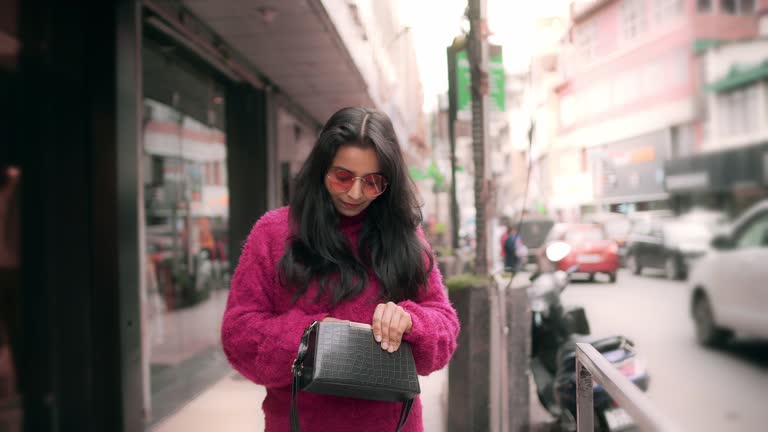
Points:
point(234, 405)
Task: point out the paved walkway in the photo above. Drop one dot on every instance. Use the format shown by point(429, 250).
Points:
point(234, 405)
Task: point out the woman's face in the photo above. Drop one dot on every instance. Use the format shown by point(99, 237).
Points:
point(353, 165)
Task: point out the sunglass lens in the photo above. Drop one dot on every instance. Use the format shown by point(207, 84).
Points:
point(374, 184)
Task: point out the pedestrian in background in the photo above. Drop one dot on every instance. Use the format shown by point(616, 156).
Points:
point(512, 249)
point(349, 247)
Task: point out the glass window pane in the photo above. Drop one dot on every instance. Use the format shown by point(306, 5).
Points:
point(755, 234)
point(747, 7)
point(728, 6)
point(186, 207)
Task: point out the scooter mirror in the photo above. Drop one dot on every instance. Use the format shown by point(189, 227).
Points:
point(557, 251)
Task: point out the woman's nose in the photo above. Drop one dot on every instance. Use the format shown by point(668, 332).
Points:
point(356, 192)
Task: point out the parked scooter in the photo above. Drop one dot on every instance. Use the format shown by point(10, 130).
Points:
point(555, 330)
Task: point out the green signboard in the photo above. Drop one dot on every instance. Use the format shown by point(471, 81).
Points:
point(463, 81)
point(495, 80)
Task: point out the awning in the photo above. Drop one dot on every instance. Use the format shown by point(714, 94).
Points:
point(296, 45)
point(718, 171)
point(740, 76)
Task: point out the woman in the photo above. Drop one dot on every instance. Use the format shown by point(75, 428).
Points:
point(347, 248)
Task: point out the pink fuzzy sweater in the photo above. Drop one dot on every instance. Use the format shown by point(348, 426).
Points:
point(262, 328)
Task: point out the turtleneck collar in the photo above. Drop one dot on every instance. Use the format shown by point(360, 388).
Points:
point(352, 222)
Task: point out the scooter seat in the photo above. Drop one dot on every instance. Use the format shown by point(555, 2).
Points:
point(566, 355)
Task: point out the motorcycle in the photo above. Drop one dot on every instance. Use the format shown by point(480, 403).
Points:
point(555, 330)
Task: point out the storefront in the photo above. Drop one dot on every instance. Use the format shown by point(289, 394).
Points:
point(149, 136)
point(629, 175)
point(731, 180)
point(140, 159)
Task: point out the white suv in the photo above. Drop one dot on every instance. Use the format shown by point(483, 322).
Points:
point(730, 284)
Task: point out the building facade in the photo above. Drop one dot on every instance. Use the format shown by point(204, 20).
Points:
point(730, 171)
point(631, 97)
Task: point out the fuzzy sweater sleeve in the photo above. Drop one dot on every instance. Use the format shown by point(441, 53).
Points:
point(435, 325)
point(260, 343)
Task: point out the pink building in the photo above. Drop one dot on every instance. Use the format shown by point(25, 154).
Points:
point(632, 95)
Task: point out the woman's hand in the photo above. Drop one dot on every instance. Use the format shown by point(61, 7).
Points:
point(390, 322)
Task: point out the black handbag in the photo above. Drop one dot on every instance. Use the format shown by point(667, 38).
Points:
point(343, 359)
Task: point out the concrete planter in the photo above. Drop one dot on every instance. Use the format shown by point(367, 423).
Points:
point(518, 338)
point(468, 377)
point(488, 376)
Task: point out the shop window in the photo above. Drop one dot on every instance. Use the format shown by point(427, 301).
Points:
point(186, 227)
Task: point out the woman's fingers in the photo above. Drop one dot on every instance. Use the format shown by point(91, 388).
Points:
point(390, 322)
point(376, 324)
point(386, 325)
point(403, 324)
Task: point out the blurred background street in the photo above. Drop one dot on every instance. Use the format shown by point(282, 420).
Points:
point(708, 390)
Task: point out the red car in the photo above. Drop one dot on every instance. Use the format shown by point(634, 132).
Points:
point(590, 249)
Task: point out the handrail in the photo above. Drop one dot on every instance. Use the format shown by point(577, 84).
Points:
point(589, 363)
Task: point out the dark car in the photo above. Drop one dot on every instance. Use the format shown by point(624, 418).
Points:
point(668, 244)
point(533, 233)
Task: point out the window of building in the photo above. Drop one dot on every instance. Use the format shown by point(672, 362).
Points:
point(704, 5)
point(728, 6)
point(747, 7)
point(585, 40)
point(667, 10)
point(737, 7)
point(633, 21)
point(738, 111)
point(567, 113)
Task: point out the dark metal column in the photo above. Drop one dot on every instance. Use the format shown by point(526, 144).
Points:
point(79, 104)
point(246, 162)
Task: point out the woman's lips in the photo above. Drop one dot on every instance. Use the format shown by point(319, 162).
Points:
point(348, 205)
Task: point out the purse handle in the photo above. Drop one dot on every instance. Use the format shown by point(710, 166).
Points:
point(296, 369)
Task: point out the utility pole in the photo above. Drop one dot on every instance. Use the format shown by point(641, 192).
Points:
point(478, 60)
point(459, 43)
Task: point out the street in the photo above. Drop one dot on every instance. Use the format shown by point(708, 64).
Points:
point(699, 388)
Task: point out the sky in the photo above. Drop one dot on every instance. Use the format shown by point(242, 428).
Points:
point(434, 23)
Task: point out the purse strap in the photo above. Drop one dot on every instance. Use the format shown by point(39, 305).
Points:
point(296, 370)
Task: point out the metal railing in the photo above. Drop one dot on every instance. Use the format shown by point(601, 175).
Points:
point(591, 364)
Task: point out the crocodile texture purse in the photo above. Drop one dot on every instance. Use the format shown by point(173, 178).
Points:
point(343, 359)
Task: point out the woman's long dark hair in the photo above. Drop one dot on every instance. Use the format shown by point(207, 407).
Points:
point(388, 243)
